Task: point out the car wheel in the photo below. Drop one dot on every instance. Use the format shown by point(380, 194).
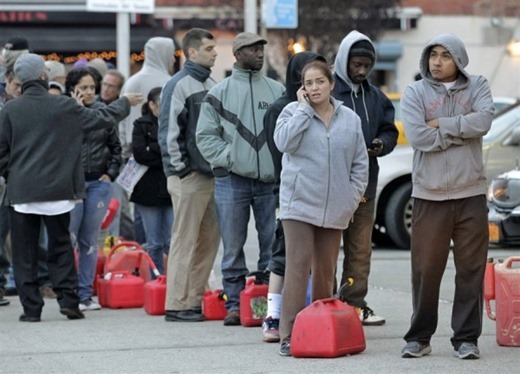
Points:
point(398, 216)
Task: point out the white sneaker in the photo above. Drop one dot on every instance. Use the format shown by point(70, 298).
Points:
point(89, 304)
point(369, 318)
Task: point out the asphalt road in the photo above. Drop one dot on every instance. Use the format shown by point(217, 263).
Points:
point(130, 341)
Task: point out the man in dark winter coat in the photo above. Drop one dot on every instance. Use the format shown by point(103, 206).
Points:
point(354, 62)
point(40, 140)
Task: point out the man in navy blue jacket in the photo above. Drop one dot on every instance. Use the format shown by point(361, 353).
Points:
point(354, 62)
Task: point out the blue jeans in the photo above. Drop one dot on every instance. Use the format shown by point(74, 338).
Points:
point(85, 226)
point(234, 197)
point(157, 222)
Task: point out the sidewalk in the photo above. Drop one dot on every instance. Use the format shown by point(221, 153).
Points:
point(130, 341)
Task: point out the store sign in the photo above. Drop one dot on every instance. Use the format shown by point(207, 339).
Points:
point(121, 6)
point(280, 14)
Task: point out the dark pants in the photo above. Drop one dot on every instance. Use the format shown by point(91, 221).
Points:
point(357, 246)
point(25, 233)
point(434, 225)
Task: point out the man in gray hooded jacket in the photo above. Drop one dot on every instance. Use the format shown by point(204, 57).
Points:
point(445, 115)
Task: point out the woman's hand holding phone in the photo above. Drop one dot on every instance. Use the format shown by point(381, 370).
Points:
point(302, 95)
point(76, 95)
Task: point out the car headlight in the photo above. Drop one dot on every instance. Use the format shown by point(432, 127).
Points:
point(505, 193)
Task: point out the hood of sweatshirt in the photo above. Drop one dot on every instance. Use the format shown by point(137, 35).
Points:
point(341, 62)
point(158, 53)
point(454, 45)
point(293, 76)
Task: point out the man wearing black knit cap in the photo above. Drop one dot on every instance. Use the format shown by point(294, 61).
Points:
point(354, 62)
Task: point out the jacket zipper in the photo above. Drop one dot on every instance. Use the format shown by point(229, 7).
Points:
point(254, 125)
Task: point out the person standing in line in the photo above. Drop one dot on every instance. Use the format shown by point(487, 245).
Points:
point(57, 75)
point(101, 158)
point(354, 63)
point(13, 89)
point(195, 231)
point(150, 194)
point(276, 266)
point(111, 86)
point(49, 153)
point(232, 138)
point(157, 69)
point(324, 175)
point(445, 116)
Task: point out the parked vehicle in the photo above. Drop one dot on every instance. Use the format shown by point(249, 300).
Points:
point(393, 221)
point(504, 208)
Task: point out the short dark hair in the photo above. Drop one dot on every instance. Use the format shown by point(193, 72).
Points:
point(74, 76)
point(193, 39)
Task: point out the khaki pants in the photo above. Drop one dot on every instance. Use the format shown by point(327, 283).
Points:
point(195, 240)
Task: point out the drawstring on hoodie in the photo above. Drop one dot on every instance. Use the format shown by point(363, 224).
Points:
point(352, 93)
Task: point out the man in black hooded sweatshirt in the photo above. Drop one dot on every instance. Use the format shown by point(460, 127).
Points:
point(354, 61)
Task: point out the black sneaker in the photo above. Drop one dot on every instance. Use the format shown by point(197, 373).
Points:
point(415, 350)
point(285, 348)
point(232, 318)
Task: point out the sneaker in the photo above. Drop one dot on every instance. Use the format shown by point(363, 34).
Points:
point(285, 349)
point(48, 293)
point(369, 318)
point(467, 351)
point(232, 318)
point(89, 304)
point(270, 330)
point(11, 291)
point(415, 350)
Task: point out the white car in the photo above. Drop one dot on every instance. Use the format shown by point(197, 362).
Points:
point(394, 204)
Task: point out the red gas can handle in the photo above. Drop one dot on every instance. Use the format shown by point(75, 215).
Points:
point(133, 246)
point(509, 262)
point(331, 300)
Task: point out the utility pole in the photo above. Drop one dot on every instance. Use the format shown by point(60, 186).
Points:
point(250, 16)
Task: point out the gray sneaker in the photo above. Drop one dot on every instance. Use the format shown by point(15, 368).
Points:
point(285, 348)
point(467, 351)
point(415, 350)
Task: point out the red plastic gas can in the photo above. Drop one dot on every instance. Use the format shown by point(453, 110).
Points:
point(327, 328)
point(253, 303)
point(507, 301)
point(213, 305)
point(112, 208)
point(120, 289)
point(155, 296)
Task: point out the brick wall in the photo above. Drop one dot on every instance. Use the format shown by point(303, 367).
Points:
point(506, 8)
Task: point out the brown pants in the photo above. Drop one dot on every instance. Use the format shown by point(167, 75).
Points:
point(308, 248)
point(434, 225)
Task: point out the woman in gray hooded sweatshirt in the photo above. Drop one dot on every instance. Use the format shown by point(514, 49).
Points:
point(324, 176)
point(445, 115)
